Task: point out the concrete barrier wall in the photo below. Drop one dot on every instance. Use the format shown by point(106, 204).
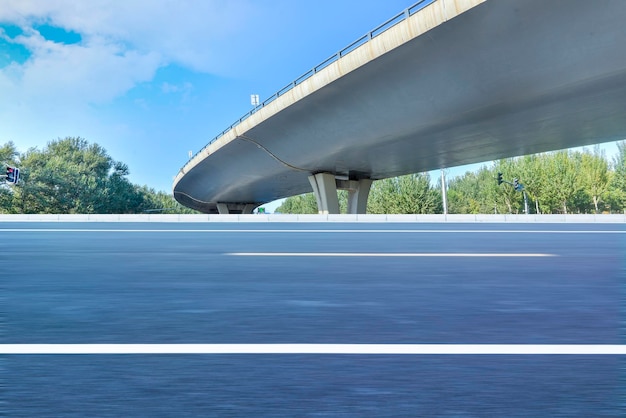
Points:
point(321, 218)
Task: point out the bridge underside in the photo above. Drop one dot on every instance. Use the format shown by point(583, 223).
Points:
point(506, 78)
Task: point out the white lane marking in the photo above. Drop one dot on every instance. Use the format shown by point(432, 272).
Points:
point(316, 231)
point(354, 349)
point(390, 255)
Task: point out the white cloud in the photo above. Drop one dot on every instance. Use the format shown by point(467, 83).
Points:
point(57, 90)
point(95, 72)
point(123, 43)
point(182, 31)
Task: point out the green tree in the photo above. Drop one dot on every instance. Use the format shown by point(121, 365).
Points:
point(463, 194)
point(617, 186)
point(73, 176)
point(595, 176)
point(119, 194)
point(158, 202)
point(8, 157)
point(404, 195)
point(561, 185)
point(477, 192)
point(300, 204)
point(511, 199)
point(533, 179)
point(68, 176)
point(8, 154)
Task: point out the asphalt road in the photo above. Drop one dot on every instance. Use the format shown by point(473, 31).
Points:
point(332, 283)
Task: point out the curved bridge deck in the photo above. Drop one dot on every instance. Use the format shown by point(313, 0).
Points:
point(453, 83)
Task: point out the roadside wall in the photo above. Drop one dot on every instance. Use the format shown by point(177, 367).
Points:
point(320, 218)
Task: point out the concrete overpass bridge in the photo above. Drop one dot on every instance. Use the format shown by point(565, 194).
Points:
point(445, 83)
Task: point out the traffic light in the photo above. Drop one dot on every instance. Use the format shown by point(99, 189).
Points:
point(499, 179)
point(13, 175)
point(516, 184)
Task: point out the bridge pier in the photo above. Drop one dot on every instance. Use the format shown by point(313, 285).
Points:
point(358, 191)
point(325, 190)
point(325, 187)
point(235, 208)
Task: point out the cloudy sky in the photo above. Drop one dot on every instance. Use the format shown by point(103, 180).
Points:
point(151, 80)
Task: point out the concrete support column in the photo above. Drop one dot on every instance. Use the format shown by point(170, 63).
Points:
point(325, 190)
point(357, 197)
point(248, 208)
point(222, 209)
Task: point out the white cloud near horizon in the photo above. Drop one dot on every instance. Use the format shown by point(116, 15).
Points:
point(61, 88)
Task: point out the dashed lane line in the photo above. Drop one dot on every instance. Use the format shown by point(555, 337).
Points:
point(391, 255)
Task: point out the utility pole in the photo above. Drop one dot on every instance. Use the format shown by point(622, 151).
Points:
point(444, 195)
point(525, 202)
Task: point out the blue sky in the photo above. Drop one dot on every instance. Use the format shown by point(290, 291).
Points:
point(151, 80)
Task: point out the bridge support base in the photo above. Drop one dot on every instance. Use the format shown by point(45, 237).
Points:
point(235, 208)
point(325, 187)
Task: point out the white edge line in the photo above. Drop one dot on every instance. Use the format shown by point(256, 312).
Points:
point(389, 255)
point(309, 231)
point(349, 349)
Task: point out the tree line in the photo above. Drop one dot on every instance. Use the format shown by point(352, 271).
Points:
point(71, 175)
point(555, 182)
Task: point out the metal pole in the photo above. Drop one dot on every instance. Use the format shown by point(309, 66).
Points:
point(444, 196)
point(525, 203)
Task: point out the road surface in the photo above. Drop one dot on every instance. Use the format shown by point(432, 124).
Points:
point(329, 283)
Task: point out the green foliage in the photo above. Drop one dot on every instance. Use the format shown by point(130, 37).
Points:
point(594, 177)
point(160, 202)
point(404, 195)
point(8, 156)
point(73, 176)
point(301, 204)
point(477, 193)
point(68, 176)
point(555, 182)
point(616, 193)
